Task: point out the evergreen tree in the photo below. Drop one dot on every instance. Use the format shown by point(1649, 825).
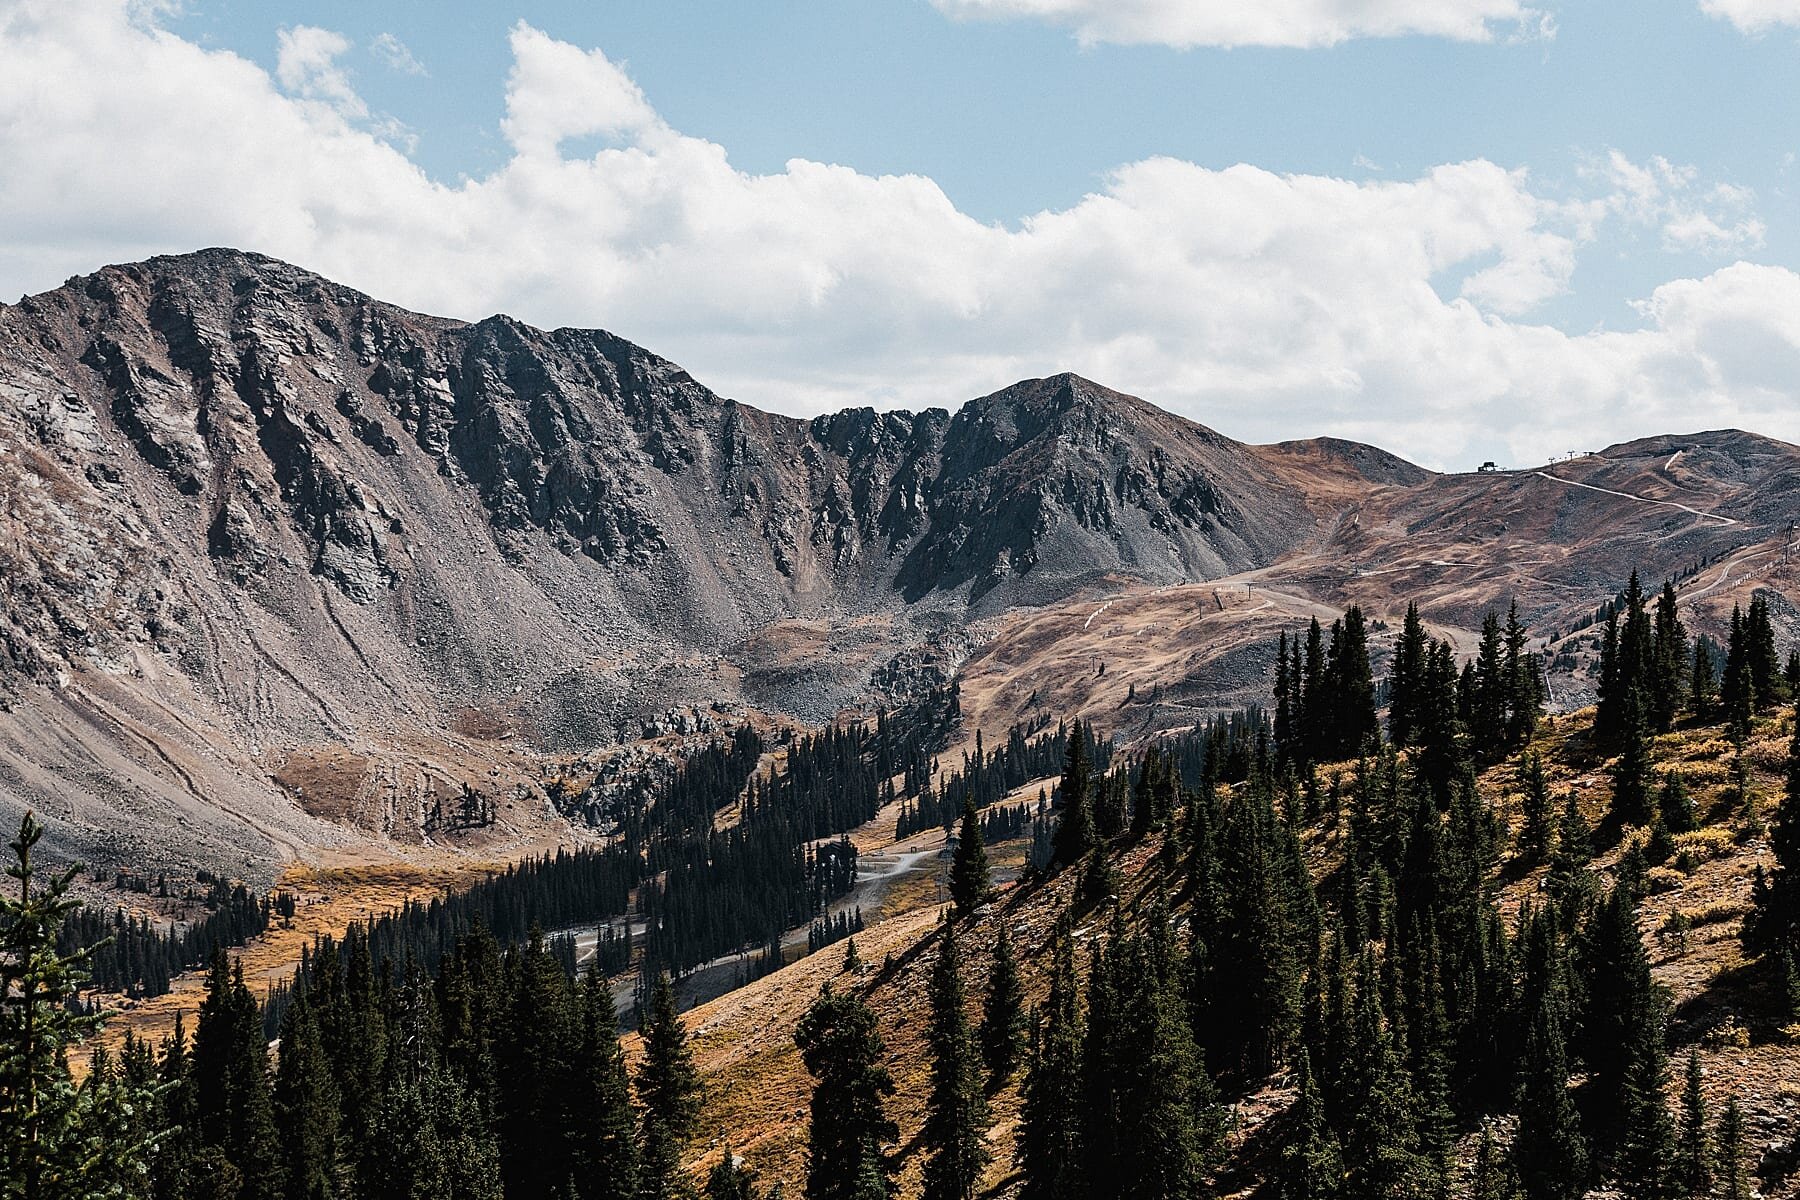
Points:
point(1774, 926)
point(1631, 803)
point(1075, 830)
point(1674, 806)
point(1549, 1152)
point(1670, 661)
point(604, 1154)
point(1729, 1145)
point(1003, 1013)
point(1525, 700)
point(58, 1140)
point(1647, 1152)
point(1353, 687)
point(1535, 833)
point(956, 1112)
point(1702, 681)
point(1694, 1157)
point(306, 1108)
point(845, 1155)
point(1406, 680)
point(234, 1106)
point(1050, 1149)
point(668, 1088)
point(1312, 1163)
point(970, 883)
point(730, 1180)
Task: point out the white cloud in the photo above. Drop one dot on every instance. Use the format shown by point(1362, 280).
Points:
point(1718, 221)
point(1269, 306)
point(1754, 16)
point(395, 53)
point(306, 63)
point(1186, 24)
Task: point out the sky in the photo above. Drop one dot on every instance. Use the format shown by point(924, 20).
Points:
point(1460, 229)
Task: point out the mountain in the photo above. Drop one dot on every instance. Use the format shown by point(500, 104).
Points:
point(283, 567)
point(275, 552)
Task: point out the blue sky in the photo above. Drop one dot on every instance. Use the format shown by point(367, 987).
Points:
point(1549, 226)
point(1013, 117)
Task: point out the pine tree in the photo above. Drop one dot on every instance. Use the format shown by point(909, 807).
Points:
point(845, 1155)
point(970, 883)
point(1003, 1014)
point(956, 1112)
point(1647, 1151)
point(604, 1154)
point(1549, 1152)
point(1631, 803)
point(1312, 1163)
point(58, 1141)
point(1075, 831)
point(1407, 678)
point(1694, 1158)
point(1492, 694)
point(668, 1088)
point(1525, 684)
point(1050, 1150)
point(1536, 809)
point(1729, 1145)
point(1702, 682)
point(730, 1180)
point(1670, 661)
point(1675, 806)
point(306, 1108)
point(1353, 687)
point(1775, 922)
point(235, 1110)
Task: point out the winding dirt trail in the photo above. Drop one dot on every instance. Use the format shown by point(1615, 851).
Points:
point(1640, 499)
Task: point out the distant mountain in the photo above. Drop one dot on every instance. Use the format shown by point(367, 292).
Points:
point(279, 561)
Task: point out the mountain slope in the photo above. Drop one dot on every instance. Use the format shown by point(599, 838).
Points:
point(261, 519)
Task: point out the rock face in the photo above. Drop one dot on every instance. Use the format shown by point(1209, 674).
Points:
point(261, 511)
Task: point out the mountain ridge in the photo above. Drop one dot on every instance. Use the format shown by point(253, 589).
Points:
point(253, 521)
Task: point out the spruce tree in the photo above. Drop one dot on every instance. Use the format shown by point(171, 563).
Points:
point(1694, 1155)
point(729, 1180)
point(1536, 829)
point(668, 1088)
point(1631, 802)
point(1671, 661)
point(1406, 679)
point(956, 1112)
point(234, 1106)
point(1675, 806)
point(1729, 1146)
point(970, 883)
point(1050, 1149)
point(1525, 684)
point(1549, 1152)
point(1075, 830)
point(306, 1108)
point(1774, 926)
point(1312, 1163)
point(1702, 682)
point(604, 1153)
point(1003, 1014)
point(846, 1157)
point(58, 1140)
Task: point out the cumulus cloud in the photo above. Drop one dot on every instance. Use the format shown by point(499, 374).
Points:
point(306, 63)
point(1267, 305)
point(1754, 16)
point(1186, 24)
